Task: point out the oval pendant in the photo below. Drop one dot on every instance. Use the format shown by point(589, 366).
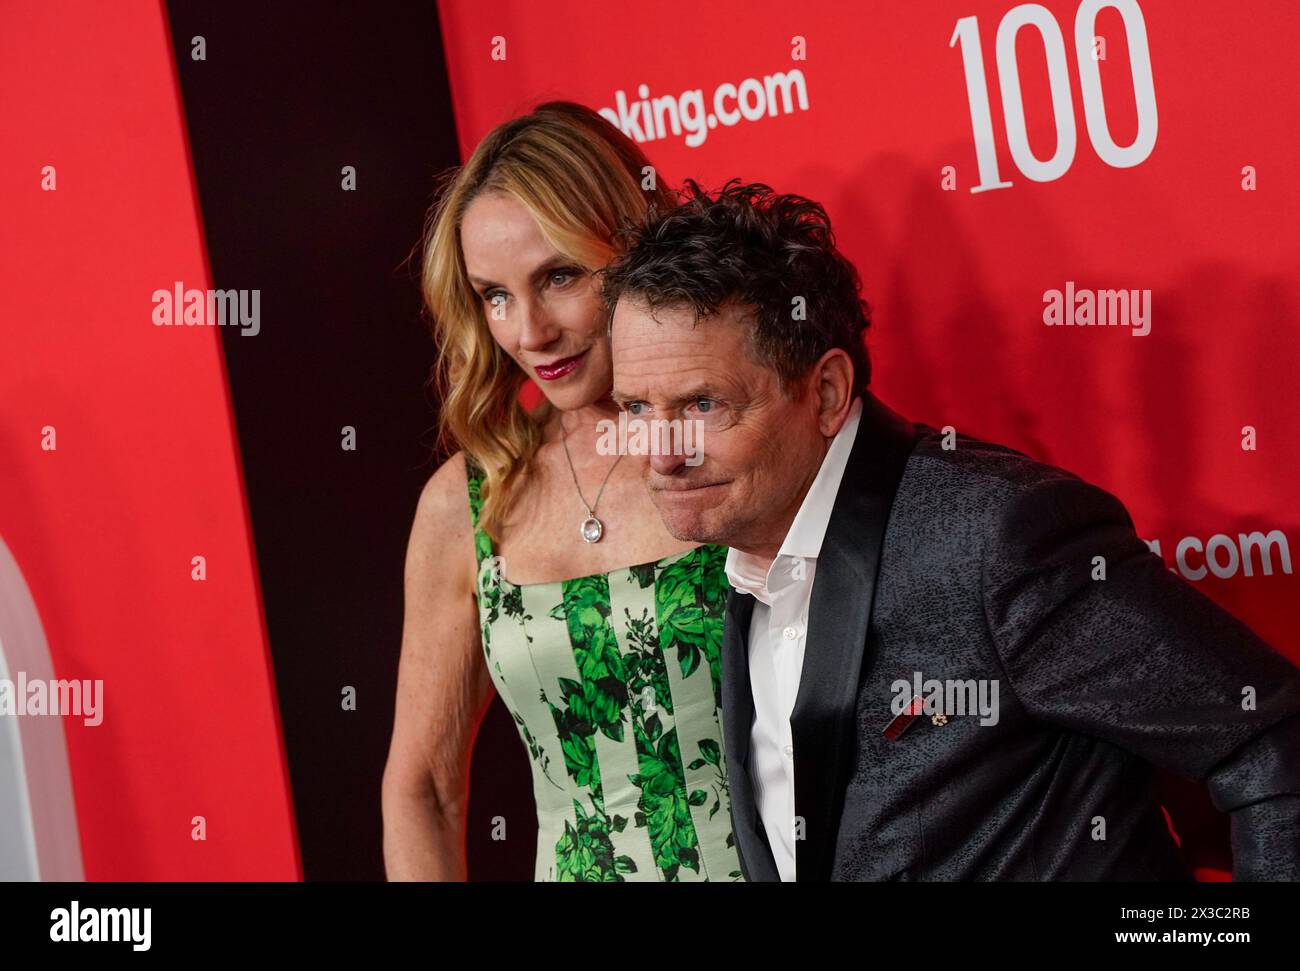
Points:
point(592, 529)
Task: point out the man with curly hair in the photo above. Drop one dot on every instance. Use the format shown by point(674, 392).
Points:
point(869, 552)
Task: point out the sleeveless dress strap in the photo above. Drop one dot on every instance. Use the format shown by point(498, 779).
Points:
point(482, 541)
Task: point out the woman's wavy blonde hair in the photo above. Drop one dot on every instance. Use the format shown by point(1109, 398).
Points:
point(582, 180)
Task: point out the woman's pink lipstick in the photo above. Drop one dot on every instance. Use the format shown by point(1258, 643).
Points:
point(558, 369)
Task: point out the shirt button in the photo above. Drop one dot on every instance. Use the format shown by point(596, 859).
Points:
point(791, 633)
point(789, 751)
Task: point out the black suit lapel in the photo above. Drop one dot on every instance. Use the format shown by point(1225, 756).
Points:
point(756, 860)
point(823, 723)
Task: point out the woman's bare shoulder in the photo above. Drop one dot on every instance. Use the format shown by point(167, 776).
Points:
point(446, 494)
point(443, 524)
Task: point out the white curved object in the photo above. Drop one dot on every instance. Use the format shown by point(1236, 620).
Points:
point(38, 818)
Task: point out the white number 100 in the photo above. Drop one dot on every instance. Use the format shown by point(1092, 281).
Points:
point(1094, 107)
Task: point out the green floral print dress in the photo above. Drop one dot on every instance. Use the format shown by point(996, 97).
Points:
point(615, 684)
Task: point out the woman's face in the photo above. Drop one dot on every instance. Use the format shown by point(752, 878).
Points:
point(543, 309)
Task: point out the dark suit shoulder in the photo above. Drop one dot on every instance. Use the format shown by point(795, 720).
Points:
point(969, 464)
point(975, 463)
point(975, 489)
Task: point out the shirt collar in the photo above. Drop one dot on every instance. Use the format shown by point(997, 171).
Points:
point(804, 538)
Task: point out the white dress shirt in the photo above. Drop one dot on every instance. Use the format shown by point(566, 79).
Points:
point(777, 630)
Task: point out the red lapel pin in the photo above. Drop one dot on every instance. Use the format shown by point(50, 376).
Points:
point(903, 721)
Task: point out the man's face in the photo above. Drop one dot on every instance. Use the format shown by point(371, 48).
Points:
point(761, 449)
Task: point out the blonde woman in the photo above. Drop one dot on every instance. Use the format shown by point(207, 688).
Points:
point(537, 565)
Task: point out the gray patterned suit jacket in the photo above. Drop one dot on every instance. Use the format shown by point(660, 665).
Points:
point(978, 563)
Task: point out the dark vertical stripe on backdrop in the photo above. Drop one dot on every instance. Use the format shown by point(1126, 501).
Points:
point(285, 97)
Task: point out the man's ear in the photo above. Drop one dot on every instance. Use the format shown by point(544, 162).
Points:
point(833, 387)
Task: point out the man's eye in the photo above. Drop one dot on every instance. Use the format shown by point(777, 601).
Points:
point(634, 407)
point(704, 404)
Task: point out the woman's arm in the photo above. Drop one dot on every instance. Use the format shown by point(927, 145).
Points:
point(443, 687)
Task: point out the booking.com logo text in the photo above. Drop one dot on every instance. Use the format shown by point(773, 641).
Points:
point(650, 119)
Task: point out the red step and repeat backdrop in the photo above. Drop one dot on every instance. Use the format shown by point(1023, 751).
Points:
point(1075, 222)
point(118, 460)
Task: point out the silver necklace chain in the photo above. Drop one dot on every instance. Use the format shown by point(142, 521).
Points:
point(592, 528)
